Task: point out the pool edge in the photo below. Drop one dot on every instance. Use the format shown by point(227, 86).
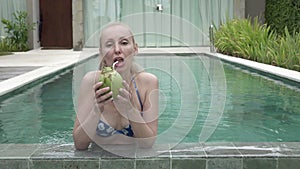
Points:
point(275, 155)
point(22, 80)
point(270, 69)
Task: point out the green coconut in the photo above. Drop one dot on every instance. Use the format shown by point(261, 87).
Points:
point(112, 79)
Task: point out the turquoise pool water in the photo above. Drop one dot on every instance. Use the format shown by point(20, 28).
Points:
point(258, 108)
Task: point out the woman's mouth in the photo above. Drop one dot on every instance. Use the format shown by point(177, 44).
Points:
point(119, 61)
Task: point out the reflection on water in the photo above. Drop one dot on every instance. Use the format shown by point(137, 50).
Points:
point(40, 111)
point(259, 108)
point(20, 116)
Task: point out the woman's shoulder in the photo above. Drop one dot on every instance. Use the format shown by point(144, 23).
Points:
point(147, 78)
point(90, 77)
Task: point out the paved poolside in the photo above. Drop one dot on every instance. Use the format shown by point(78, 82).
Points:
point(21, 68)
point(24, 67)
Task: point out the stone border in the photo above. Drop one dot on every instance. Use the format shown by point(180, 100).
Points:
point(44, 69)
point(274, 70)
point(215, 155)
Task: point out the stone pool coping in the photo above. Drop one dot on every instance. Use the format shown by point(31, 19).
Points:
point(210, 155)
point(270, 69)
point(47, 62)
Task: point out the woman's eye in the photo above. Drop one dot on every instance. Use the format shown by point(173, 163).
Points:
point(109, 44)
point(124, 42)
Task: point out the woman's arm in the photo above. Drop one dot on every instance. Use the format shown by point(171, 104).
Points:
point(144, 125)
point(85, 115)
point(88, 110)
point(148, 129)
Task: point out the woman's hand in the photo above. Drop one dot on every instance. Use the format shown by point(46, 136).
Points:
point(102, 95)
point(123, 101)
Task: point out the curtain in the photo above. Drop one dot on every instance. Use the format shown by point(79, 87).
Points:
point(98, 13)
point(7, 8)
point(180, 23)
point(131, 13)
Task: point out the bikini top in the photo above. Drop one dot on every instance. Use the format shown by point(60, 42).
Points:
point(103, 129)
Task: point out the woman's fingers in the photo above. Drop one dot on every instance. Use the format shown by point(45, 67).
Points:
point(97, 86)
point(102, 95)
point(104, 98)
point(126, 86)
point(125, 92)
point(101, 92)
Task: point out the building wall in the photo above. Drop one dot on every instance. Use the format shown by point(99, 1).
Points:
point(255, 8)
point(78, 34)
point(239, 8)
point(33, 17)
point(78, 27)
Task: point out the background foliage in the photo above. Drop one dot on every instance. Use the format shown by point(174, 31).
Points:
point(16, 33)
point(281, 13)
point(253, 41)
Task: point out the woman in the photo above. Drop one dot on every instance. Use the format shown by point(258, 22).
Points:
point(132, 117)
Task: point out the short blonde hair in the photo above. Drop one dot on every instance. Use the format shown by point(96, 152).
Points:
point(135, 67)
point(112, 24)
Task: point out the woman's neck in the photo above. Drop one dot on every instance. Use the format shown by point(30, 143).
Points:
point(127, 76)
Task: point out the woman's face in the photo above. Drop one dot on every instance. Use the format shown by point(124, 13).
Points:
point(117, 44)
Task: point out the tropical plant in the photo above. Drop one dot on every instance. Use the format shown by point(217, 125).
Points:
point(4, 47)
point(17, 31)
point(247, 38)
point(288, 52)
point(280, 14)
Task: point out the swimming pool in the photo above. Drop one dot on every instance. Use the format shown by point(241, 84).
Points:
point(258, 108)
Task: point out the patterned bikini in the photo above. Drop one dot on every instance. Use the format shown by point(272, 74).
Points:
point(105, 130)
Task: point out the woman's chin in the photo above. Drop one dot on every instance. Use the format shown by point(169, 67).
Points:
point(121, 68)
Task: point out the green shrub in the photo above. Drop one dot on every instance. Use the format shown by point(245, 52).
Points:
point(17, 32)
point(288, 51)
point(4, 47)
point(253, 41)
point(283, 13)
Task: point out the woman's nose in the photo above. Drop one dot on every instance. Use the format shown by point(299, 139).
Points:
point(117, 49)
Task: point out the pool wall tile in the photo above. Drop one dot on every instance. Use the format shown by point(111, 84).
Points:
point(118, 163)
point(206, 156)
point(14, 163)
point(150, 163)
point(81, 164)
point(289, 163)
point(260, 163)
point(188, 163)
point(47, 164)
point(224, 163)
